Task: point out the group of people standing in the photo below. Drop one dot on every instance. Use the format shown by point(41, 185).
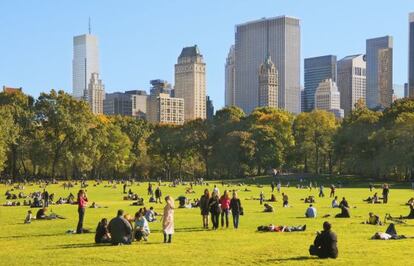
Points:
point(217, 206)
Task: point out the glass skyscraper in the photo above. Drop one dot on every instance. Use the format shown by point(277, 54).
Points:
point(85, 62)
point(317, 69)
point(278, 38)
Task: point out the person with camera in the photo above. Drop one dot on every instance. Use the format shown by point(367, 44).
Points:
point(325, 244)
point(82, 203)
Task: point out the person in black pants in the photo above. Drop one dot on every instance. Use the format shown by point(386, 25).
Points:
point(236, 209)
point(325, 244)
point(215, 209)
point(385, 191)
point(82, 203)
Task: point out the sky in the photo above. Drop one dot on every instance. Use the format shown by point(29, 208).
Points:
point(141, 40)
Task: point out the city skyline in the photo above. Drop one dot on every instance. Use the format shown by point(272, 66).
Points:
point(125, 43)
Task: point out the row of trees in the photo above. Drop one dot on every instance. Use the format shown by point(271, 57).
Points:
point(58, 136)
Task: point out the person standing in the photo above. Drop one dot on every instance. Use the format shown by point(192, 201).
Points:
point(82, 203)
point(225, 205)
point(158, 195)
point(261, 197)
point(321, 194)
point(325, 244)
point(236, 209)
point(332, 194)
point(168, 219)
point(385, 192)
point(204, 207)
point(45, 199)
point(214, 204)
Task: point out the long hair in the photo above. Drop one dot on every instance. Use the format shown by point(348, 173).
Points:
point(169, 201)
point(80, 193)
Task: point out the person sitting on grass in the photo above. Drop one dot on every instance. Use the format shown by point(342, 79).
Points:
point(285, 200)
point(41, 214)
point(373, 219)
point(142, 230)
point(102, 233)
point(120, 229)
point(310, 199)
point(345, 213)
point(335, 203)
point(391, 233)
point(29, 217)
point(272, 198)
point(150, 215)
point(410, 201)
point(344, 203)
point(310, 212)
point(268, 208)
point(325, 243)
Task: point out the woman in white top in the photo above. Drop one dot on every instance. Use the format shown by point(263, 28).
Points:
point(168, 219)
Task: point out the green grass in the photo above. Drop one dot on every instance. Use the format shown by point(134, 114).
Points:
point(45, 242)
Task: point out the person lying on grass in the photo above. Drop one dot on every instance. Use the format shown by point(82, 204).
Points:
point(374, 199)
point(268, 208)
point(41, 215)
point(391, 233)
point(281, 228)
point(409, 216)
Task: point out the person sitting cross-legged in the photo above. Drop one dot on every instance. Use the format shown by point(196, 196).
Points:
point(142, 229)
point(325, 244)
point(311, 212)
point(102, 233)
point(120, 229)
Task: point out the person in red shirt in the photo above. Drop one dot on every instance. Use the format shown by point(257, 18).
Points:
point(225, 205)
point(82, 203)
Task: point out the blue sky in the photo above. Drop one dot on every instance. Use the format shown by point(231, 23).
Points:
point(141, 40)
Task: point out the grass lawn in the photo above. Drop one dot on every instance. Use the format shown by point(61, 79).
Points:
point(46, 242)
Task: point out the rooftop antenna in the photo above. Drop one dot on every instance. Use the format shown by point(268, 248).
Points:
point(89, 25)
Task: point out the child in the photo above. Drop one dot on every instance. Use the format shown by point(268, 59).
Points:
point(29, 217)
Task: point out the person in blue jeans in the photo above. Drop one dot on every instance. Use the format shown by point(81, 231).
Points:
point(236, 209)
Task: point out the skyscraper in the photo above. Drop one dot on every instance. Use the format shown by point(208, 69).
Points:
point(411, 55)
point(190, 82)
point(95, 94)
point(317, 69)
point(209, 108)
point(327, 97)
point(406, 91)
point(352, 81)
point(278, 37)
point(268, 87)
point(379, 72)
point(85, 62)
point(230, 75)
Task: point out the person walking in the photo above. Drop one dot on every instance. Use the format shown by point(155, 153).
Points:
point(204, 207)
point(168, 219)
point(214, 204)
point(321, 194)
point(236, 209)
point(332, 194)
point(225, 205)
point(82, 203)
point(158, 195)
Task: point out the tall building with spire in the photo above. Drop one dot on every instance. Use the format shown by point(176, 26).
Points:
point(327, 97)
point(230, 75)
point(95, 95)
point(268, 86)
point(85, 62)
point(280, 38)
point(190, 82)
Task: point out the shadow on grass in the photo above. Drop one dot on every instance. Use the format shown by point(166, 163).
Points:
point(93, 245)
point(300, 258)
point(29, 236)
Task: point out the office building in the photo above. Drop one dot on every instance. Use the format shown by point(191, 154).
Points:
point(230, 75)
point(95, 95)
point(352, 81)
point(279, 38)
point(85, 62)
point(411, 55)
point(190, 82)
point(302, 100)
point(268, 86)
point(406, 91)
point(162, 107)
point(379, 72)
point(327, 97)
point(317, 69)
point(139, 103)
point(209, 108)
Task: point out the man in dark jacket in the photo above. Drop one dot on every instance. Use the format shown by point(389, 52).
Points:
point(325, 242)
point(120, 229)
